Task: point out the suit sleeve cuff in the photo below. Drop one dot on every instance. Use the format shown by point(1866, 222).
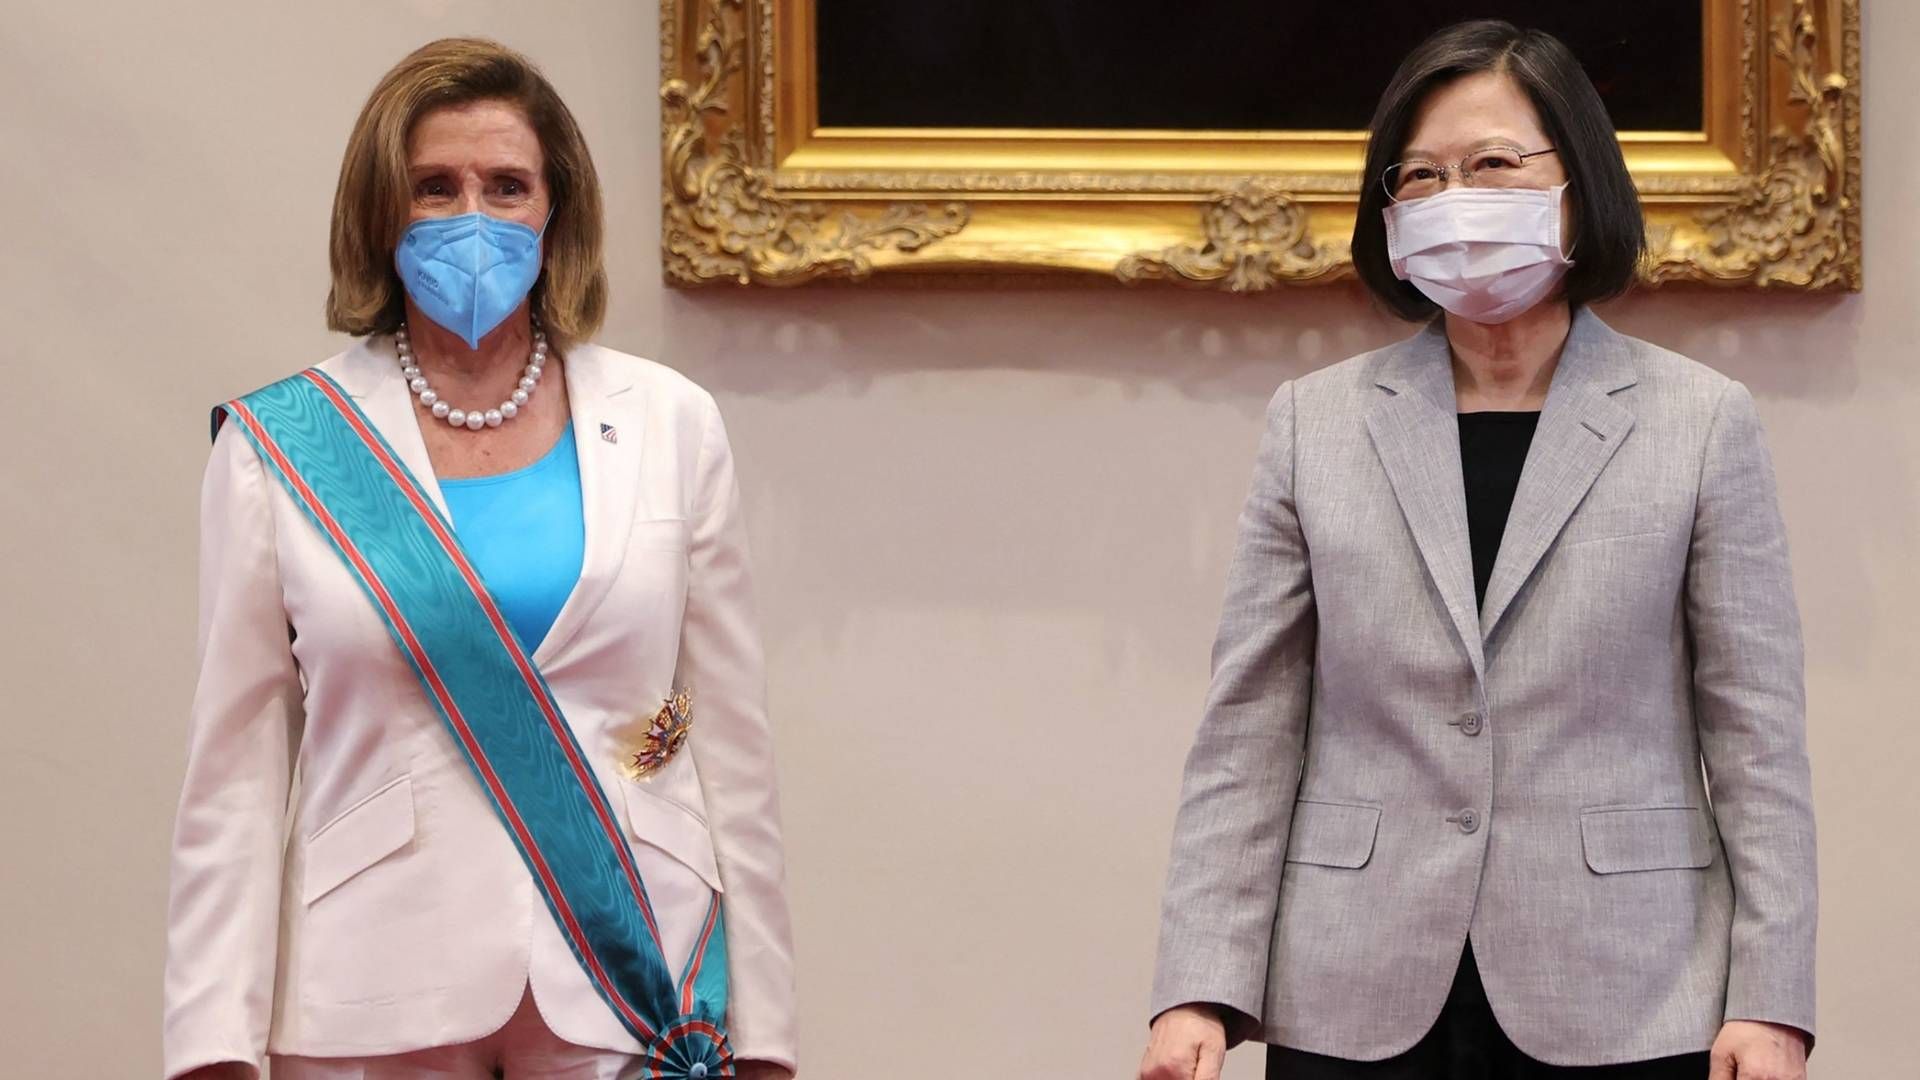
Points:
point(1241, 1026)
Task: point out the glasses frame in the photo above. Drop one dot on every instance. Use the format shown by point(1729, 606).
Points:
point(1460, 169)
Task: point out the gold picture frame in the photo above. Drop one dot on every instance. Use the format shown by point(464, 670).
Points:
point(756, 192)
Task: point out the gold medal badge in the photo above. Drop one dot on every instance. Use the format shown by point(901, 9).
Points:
point(666, 733)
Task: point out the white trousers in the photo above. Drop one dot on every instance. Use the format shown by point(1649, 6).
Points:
point(524, 1049)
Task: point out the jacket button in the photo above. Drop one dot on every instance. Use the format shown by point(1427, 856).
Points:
point(1470, 724)
point(1468, 820)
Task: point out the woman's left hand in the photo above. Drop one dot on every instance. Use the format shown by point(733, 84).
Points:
point(1749, 1050)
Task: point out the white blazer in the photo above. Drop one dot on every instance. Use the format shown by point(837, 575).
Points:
point(378, 906)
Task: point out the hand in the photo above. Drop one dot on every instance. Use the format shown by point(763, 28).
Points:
point(1749, 1050)
point(760, 1070)
point(226, 1070)
point(1188, 1042)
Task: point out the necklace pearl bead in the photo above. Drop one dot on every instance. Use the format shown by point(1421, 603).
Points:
point(477, 419)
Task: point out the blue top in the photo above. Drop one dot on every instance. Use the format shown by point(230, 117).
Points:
point(526, 533)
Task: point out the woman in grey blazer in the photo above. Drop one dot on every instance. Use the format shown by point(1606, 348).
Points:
point(1508, 596)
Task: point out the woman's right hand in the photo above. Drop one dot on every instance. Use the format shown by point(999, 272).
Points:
point(1188, 1042)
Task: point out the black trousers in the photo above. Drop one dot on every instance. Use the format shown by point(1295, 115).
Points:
point(1467, 1044)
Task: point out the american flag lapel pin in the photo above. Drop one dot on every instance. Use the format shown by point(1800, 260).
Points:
point(610, 433)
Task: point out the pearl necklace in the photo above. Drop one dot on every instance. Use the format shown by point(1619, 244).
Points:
point(475, 420)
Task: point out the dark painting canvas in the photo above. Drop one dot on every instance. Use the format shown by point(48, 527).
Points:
point(1238, 65)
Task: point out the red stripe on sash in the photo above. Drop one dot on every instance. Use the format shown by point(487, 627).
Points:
point(439, 690)
point(699, 955)
point(522, 663)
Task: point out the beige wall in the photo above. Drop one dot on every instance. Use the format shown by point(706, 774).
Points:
point(991, 528)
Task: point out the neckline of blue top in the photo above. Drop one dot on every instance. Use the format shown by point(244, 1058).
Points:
point(565, 442)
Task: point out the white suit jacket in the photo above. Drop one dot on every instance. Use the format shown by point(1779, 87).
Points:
point(379, 906)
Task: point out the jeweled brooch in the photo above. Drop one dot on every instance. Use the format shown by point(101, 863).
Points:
point(666, 733)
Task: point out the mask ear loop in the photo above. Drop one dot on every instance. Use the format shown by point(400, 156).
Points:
point(1560, 219)
point(540, 242)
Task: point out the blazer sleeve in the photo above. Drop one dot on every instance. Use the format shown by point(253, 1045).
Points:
point(722, 663)
point(1750, 705)
point(1242, 774)
point(224, 900)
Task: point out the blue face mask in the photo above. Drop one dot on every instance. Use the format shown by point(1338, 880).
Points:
point(468, 273)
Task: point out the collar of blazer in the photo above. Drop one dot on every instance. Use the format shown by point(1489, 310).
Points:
point(1416, 433)
point(598, 386)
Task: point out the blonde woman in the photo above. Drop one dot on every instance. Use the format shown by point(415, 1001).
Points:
point(487, 584)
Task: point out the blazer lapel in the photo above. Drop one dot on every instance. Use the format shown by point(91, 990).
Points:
point(1417, 435)
point(1580, 429)
point(608, 433)
point(370, 374)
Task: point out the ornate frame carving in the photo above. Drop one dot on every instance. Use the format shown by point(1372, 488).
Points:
point(756, 193)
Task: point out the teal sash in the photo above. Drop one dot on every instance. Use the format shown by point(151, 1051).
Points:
point(482, 681)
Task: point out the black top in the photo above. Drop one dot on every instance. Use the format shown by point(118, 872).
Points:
point(1493, 450)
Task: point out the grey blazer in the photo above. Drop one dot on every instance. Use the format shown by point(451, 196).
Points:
point(1382, 770)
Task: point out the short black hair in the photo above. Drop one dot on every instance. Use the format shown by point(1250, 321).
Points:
point(1609, 232)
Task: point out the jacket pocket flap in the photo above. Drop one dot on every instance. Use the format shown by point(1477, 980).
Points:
point(368, 831)
point(1621, 840)
point(666, 825)
point(1333, 834)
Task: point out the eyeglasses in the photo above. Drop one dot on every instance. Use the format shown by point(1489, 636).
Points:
point(1490, 166)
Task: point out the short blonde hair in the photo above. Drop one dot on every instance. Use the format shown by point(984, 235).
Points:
point(371, 203)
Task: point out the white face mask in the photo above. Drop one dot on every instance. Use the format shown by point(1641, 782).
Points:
point(1484, 254)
